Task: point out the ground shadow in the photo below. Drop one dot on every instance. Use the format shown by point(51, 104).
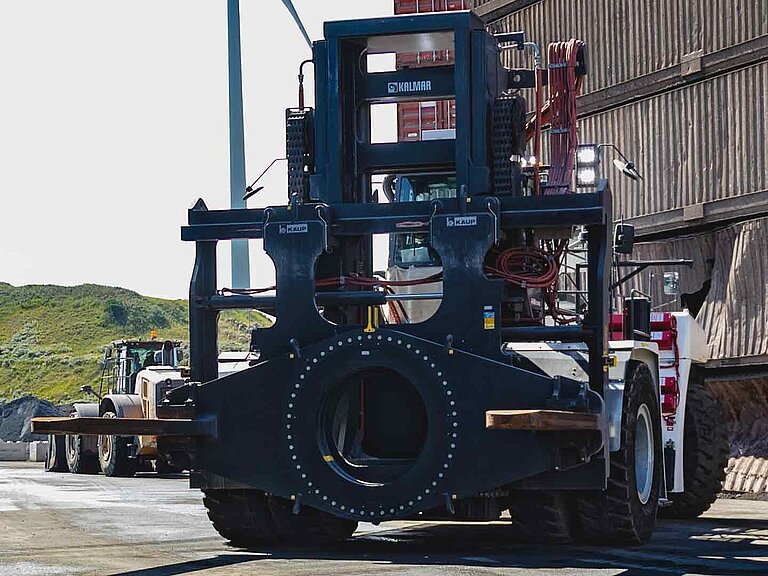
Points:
point(711, 547)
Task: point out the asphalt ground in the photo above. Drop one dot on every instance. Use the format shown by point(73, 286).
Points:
point(53, 524)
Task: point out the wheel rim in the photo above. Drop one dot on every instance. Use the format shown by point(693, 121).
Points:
point(105, 442)
point(105, 448)
point(70, 445)
point(644, 464)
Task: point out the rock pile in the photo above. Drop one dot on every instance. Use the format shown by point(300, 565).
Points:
point(15, 418)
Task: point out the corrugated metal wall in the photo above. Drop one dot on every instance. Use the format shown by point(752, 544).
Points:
point(633, 38)
point(679, 85)
point(701, 143)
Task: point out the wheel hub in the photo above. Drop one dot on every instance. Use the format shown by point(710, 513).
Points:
point(644, 463)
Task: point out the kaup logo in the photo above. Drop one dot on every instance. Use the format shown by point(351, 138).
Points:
point(409, 87)
point(293, 228)
point(461, 221)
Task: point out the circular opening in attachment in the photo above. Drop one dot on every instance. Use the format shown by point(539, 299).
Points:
point(373, 426)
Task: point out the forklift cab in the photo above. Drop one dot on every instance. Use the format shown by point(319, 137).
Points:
point(413, 248)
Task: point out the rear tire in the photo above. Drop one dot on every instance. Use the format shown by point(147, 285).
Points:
point(543, 516)
point(114, 454)
point(78, 461)
point(705, 453)
point(625, 513)
point(250, 518)
point(55, 460)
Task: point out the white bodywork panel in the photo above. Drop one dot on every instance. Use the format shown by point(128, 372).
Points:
point(691, 349)
point(570, 360)
point(231, 362)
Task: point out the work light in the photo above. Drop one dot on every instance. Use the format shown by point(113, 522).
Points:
point(587, 164)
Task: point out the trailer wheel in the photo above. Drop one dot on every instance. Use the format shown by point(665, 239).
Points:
point(241, 516)
point(705, 453)
point(309, 526)
point(544, 516)
point(55, 460)
point(625, 513)
point(78, 461)
point(114, 453)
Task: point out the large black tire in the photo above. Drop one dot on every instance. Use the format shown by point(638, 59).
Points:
point(310, 526)
point(114, 454)
point(705, 453)
point(543, 516)
point(78, 460)
point(619, 515)
point(250, 518)
point(56, 460)
point(241, 516)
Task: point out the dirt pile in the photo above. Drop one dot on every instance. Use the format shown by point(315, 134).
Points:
point(15, 418)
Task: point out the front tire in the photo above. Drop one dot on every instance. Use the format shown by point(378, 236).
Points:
point(705, 453)
point(78, 460)
point(114, 454)
point(252, 519)
point(625, 513)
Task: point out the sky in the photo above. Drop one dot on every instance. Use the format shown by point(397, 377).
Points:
point(113, 121)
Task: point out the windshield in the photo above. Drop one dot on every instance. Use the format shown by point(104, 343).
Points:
point(413, 249)
point(425, 188)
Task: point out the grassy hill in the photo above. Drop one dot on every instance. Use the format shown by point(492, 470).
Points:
point(52, 337)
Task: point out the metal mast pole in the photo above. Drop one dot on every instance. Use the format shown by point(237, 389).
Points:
point(241, 270)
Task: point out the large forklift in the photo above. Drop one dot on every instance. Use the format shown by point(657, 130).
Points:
point(503, 397)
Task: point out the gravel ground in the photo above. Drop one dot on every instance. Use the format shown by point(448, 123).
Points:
point(53, 524)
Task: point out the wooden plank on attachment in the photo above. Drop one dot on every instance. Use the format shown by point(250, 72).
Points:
point(552, 420)
point(125, 426)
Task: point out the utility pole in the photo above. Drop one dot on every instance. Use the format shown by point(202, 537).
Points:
point(241, 269)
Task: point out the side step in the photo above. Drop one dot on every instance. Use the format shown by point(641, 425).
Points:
point(543, 420)
point(125, 426)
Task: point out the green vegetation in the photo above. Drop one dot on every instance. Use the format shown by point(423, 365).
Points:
point(52, 337)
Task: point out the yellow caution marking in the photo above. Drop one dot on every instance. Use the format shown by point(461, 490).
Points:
point(373, 319)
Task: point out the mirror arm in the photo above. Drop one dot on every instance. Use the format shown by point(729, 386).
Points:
point(642, 265)
point(609, 145)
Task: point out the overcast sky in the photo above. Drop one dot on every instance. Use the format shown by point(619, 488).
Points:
point(113, 120)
